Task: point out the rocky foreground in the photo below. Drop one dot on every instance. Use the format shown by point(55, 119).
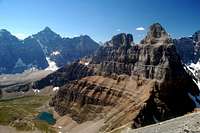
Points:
point(186, 124)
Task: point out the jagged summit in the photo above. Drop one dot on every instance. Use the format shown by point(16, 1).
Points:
point(156, 34)
point(121, 39)
point(196, 36)
point(6, 37)
point(4, 33)
point(46, 34)
point(47, 29)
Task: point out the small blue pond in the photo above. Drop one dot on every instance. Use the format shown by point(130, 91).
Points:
point(48, 117)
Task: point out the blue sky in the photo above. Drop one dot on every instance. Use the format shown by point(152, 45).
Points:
point(100, 19)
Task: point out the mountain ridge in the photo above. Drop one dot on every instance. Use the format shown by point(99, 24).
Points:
point(43, 49)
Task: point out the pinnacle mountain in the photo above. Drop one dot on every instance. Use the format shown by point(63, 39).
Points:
point(46, 34)
point(156, 34)
point(44, 50)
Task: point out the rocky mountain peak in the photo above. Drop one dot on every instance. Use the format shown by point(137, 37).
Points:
point(47, 29)
point(46, 34)
point(4, 33)
point(157, 31)
point(196, 36)
point(156, 34)
point(121, 39)
point(7, 38)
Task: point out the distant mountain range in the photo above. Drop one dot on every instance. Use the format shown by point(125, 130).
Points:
point(189, 48)
point(44, 50)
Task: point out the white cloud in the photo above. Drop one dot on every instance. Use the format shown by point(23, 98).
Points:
point(21, 35)
point(140, 28)
point(118, 30)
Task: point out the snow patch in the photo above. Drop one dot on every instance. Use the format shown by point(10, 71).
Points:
point(197, 83)
point(86, 63)
point(36, 90)
point(31, 69)
point(59, 127)
point(55, 53)
point(194, 68)
point(52, 65)
point(55, 88)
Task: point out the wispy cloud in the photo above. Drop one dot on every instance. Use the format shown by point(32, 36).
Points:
point(140, 28)
point(21, 35)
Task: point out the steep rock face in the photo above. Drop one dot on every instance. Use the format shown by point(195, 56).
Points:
point(117, 101)
point(140, 84)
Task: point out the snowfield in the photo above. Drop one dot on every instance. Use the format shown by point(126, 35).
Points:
point(52, 65)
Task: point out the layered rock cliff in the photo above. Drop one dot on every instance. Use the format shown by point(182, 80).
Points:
point(137, 84)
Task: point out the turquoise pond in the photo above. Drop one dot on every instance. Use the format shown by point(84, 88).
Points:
point(46, 116)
